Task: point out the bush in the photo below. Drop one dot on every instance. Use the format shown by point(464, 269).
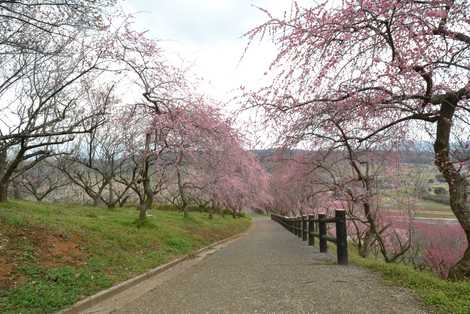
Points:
point(443, 245)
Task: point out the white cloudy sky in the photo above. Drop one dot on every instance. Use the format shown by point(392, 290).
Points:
point(208, 35)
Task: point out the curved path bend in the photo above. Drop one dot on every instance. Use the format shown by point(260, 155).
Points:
point(268, 270)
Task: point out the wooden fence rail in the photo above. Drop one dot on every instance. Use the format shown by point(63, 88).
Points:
point(314, 226)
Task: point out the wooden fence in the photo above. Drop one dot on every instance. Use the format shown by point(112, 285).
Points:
point(315, 226)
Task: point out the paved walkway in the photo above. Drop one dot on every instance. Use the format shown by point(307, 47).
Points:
point(269, 270)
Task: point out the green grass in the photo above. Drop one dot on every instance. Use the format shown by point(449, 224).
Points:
point(435, 215)
point(442, 295)
point(114, 248)
point(424, 208)
point(433, 206)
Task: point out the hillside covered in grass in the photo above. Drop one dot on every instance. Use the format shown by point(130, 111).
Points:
point(53, 255)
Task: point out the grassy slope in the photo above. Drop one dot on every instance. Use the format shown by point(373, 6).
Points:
point(109, 249)
point(424, 208)
point(444, 296)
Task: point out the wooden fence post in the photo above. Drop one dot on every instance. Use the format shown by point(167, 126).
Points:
point(299, 227)
point(296, 226)
point(311, 230)
point(304, 228)
point(341, 237)
point(322, 230)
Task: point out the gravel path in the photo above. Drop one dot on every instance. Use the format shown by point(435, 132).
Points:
point(270, 271)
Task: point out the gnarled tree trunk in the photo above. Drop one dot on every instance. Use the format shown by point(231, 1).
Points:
point(7, 170)
point(146, 202)
point(457, 182)
point(3, 191)
point(184, 202)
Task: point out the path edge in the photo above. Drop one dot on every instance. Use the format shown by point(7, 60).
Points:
point(112, 291)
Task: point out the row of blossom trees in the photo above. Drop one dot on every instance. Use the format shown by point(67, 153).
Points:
point(90, 103)
point(312, 182)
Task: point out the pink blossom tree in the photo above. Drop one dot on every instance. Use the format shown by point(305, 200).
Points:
point(209, 161)
point(157, 89)
point(295, 185)
point(381, 65)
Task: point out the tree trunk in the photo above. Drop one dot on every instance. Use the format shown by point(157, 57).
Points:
point(364, 249)
point(148, 195)
point(3, 191)
point(123, 201)
point(4, 181)
point(457, 182)
point(17, 192)
point(111, 202)
point(148, 201)
point(373, 233)
point(184, 203)
point(142, 213)
point(210, 209)
point(97, 201)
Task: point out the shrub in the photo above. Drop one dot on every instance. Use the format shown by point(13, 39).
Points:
point(443, 245)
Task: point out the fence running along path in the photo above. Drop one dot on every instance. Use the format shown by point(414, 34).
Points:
point(315, 226)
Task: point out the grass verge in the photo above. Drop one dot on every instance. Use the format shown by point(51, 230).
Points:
point(442, 295)
point(51, 256)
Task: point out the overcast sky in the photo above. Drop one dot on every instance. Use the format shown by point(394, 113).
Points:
point(207, 34)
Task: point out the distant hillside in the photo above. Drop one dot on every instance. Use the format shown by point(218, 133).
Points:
point(420, 153)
